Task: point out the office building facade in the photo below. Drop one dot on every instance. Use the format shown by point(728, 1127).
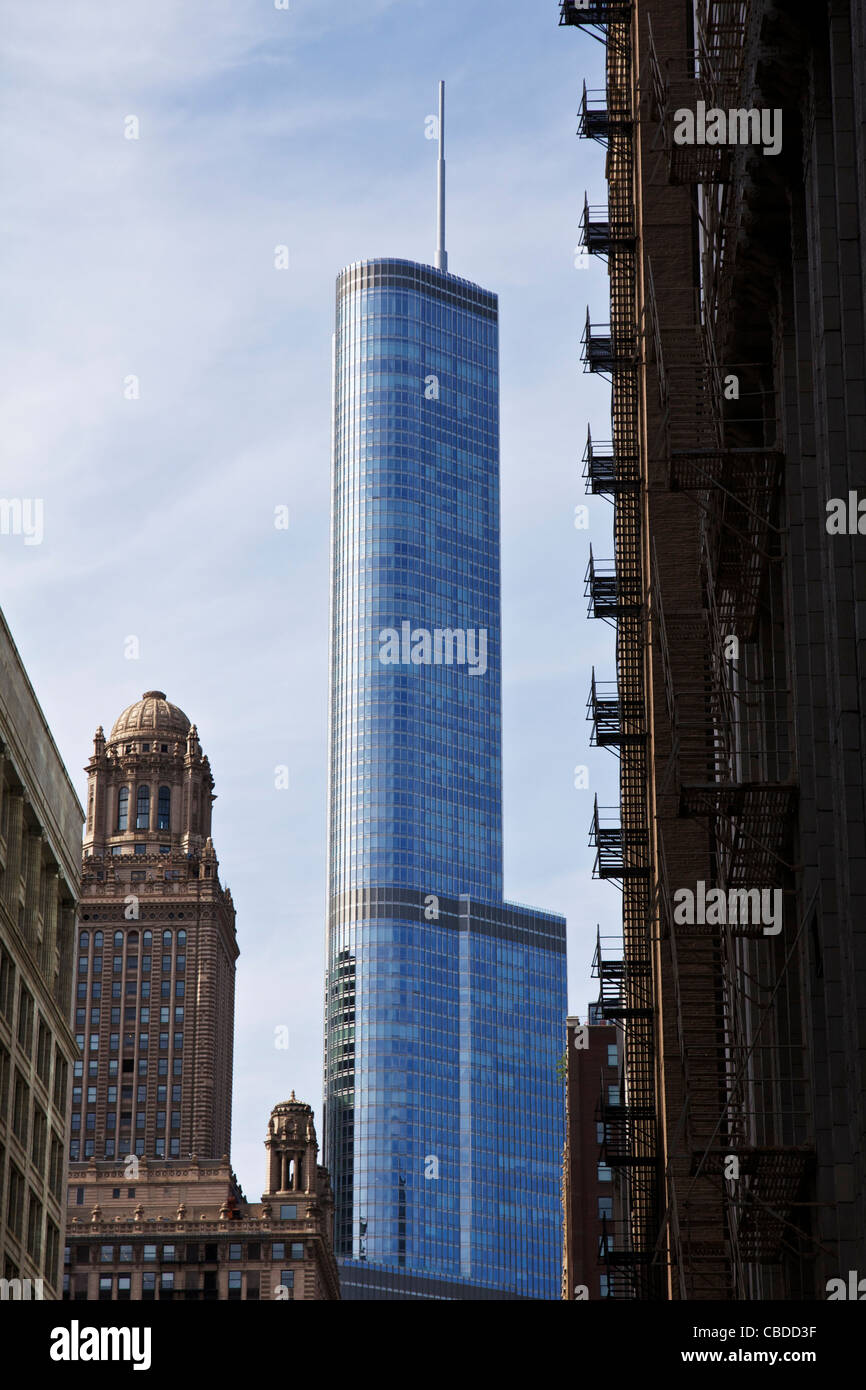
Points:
point(591, 1210)
point(40, 839)
point(444, 1005)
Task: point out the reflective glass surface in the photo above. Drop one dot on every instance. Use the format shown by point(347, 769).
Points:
point(445, 1006)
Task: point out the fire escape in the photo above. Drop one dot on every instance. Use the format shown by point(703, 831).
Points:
point(745, 1123)
point(616, 591)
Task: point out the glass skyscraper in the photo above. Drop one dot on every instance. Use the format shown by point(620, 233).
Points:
point(445, 1006)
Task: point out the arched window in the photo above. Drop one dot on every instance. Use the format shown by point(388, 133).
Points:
point(142, 810)
point(123, 808)
point(84, 941)
point(148, 937)
point(133, 938)
point(97, 941)
point(163, 810)
point(181, 939)
point(166, 938)
point(118, 939)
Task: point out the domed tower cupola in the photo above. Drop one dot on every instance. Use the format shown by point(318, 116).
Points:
point(291, 1149)
point(150, 789)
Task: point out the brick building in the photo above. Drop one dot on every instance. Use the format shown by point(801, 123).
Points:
point(589, 1220)
point(40, 830)
point(735, 139)
point(155, 972)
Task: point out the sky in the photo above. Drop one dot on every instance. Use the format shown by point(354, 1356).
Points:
point(164, 387)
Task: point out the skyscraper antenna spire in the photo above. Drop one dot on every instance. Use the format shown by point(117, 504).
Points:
point(441, 253)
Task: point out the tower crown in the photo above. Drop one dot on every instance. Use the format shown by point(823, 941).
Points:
point(291, 1148)
point(150, 788)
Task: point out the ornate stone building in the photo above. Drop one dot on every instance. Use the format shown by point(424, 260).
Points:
point(155, 1210)
point(183, 1231)
point(40, 827)
point(154, 1008)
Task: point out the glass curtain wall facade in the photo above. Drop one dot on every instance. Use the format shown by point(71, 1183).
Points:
point(445, 1007)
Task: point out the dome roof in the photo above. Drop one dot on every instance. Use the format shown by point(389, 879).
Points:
point(286, 1107)
point(151, 714)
